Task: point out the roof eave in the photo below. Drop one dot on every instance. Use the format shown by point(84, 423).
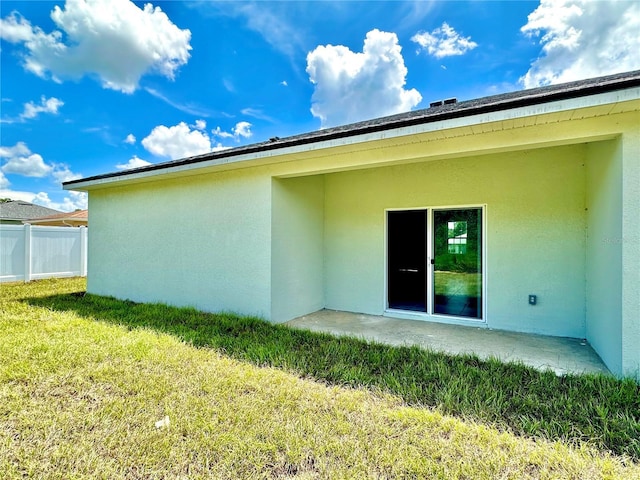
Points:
point(515, 100)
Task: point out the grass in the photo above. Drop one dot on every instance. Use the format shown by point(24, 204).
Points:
point(84, 378)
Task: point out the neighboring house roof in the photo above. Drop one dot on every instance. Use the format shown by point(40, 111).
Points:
point(72, 219)
point(18, 210)
point(331, 136)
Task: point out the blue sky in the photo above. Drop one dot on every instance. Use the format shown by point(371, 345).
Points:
point(90, 87)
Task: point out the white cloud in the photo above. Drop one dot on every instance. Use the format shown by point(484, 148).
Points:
point(69, 203)
point(284, 83)
point(32, 110)
point(21, 161)
point(72, 201)
point(15, 29)
point(4, 181)
point(219, 147)
point(131, 139)
point(47, 105)
point(20, 195)
point(19, 149)
point(256, 113)
point(582, 39)
point(61, 173)
point(75, 201)
point(182, 140)
point(241, 129)
point(176, 142)
point(17, 195)
point(218, 132)
point(271, 21)
point(134, 162)
point(444, 42)
point(113, 39)
point(186, 108)
point(228, 85)
point(352, 86)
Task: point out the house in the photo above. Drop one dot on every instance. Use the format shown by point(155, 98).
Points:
point(15, 212)
point(544, 184)
point(79, 218)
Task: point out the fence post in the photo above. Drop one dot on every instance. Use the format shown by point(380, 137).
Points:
point(27, 252)
point(83, 251)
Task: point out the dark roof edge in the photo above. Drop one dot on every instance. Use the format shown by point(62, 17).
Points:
point(495, 103)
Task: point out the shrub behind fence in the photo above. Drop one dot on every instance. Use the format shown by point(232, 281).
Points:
point(33, 252)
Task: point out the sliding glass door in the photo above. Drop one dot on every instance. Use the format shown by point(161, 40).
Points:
point(434, 261)
point(457, 266)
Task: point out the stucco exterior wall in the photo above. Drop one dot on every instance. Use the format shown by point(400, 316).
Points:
point(630, 244)
point(613, 252)
point(297, 228)
point(535, 219)
point(201, 241)
point(604, 251)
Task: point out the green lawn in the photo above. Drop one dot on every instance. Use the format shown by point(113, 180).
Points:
point(84, 379)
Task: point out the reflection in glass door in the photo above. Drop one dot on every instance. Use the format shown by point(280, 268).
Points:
point(457, 262)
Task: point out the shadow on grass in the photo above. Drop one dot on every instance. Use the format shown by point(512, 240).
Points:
point(597, 409)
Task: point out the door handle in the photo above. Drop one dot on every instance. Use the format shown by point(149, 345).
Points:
point(410, 270)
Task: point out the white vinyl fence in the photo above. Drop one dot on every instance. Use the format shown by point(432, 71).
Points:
point(32, 252)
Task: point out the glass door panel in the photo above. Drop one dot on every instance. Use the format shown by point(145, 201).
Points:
point(457, 262)
point(407, 260)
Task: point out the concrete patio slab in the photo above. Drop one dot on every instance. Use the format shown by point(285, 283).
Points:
point(561, 355)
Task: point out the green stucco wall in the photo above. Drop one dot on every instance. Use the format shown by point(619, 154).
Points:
point(613, 252)
point(630, 244)
point(535, 218)
point(297, 229)
point(201, 241)
point(604, 251)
